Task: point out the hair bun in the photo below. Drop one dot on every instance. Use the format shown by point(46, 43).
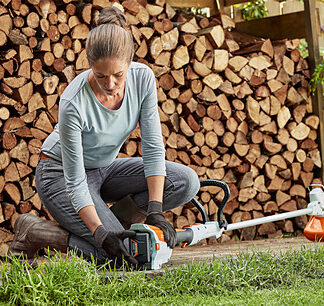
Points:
point(112, 15)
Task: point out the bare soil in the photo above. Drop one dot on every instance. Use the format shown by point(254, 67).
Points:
point(220, 250)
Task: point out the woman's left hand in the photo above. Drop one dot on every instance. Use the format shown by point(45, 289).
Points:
point(157, 219)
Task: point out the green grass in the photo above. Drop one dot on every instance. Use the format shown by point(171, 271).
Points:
point(312, 294)
point(294, 278)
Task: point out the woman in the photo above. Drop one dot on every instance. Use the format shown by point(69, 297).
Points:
point(78, 171)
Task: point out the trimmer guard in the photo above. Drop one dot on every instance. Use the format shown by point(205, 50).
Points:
point(314, 229)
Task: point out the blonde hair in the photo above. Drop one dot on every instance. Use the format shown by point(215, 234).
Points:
point(110, 38)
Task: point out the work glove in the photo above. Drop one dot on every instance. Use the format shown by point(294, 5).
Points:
point(156, 218)
point(112, 243)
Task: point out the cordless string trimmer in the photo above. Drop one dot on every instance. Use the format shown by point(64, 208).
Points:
point(151, 250)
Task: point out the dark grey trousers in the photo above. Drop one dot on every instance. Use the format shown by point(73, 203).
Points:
point(108, 184)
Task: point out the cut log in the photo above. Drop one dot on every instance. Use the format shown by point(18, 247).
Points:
point(227, 21)
point(207, 95)
point(180, 57)
point(283, 116)
point(236, 63)
point(253, 108)
point(221, 60)
point(259, 62)
point(224, 105)
point(288, 65)
point(300, 132)
point(232, 77)
point(201, 69)
point(170, 40)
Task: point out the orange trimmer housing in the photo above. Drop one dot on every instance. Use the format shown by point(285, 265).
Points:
point(314, 229)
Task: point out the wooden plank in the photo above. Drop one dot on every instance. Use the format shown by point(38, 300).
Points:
point(279, 27)
point(292, 7)
point(320, 7)
point(211, 4)
point(321, 42)
point(320, 10)
point(273, 7)
point(311, 25)
point(232, 2)
point(238, 17)
point(192, 3)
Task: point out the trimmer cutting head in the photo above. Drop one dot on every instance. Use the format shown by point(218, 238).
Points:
point(314, 229)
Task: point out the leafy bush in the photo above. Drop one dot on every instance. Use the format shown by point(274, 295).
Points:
point(318, 76)
point(303, 48)
point(254, 10)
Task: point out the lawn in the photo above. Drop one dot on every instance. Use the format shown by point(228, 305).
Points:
point(293, 278)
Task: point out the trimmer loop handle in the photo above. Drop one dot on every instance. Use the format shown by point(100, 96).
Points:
point(222, 223)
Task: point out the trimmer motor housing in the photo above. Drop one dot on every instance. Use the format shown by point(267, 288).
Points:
point(150, 249)
point(148, 246)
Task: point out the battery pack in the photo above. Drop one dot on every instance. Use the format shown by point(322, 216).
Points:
point(140, 247)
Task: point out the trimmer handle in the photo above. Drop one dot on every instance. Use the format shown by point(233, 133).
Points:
point(222, 223)
point(184, 236)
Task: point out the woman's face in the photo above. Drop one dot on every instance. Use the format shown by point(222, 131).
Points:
point(110, 75)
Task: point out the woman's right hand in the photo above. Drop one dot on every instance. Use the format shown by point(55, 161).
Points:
point(112, 243)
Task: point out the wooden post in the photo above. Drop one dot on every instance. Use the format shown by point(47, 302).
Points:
point(311, 22)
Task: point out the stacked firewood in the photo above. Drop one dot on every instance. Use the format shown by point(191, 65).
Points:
point(232, 107)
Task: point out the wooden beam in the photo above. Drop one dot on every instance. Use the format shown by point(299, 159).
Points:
point(279, 27)
point(311, 25)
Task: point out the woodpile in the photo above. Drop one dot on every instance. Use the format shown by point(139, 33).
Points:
point(232, 107)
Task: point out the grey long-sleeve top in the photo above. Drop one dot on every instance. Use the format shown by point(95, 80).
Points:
point(89, 135)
